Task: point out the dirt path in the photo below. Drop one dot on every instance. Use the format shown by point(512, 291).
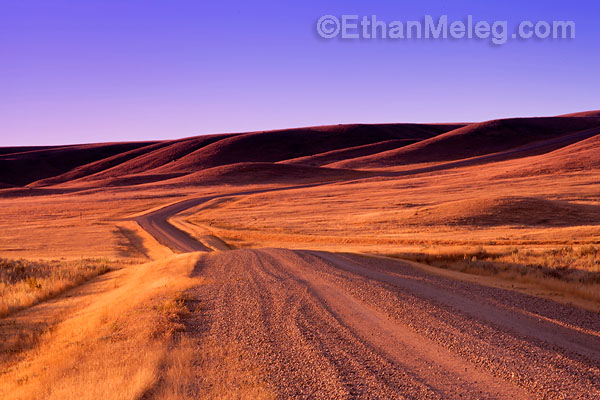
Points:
point(156, 222)
point(331, 326)
point(328, 326)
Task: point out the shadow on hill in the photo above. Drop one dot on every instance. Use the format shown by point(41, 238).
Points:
point(521, 211)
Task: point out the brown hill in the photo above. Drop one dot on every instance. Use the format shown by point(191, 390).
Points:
point(239, 174)
point(588, 114)
point(96, 166)
point(134, 162)
point(561, 143)
point(583, 155)
point(475, 140)
point(352, 152)
point(274, 146)
point(29, 166)
point(79, 164)
point(23, 149)
point(263, 173)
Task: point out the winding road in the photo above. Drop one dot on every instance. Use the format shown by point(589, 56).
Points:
point(157, 222)
point(321, 325)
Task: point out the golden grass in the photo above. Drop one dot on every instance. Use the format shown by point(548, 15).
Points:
point(72, 226)
point(567, 261)
point(209, 369)
point(128, 340)
point(581, 263)
point(127, 337)
point(388, 213)
point(24, 283)
point(573, 271)
point(111, 349)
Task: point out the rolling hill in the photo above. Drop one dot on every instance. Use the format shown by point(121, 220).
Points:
point(545, 145)
point(475, 140)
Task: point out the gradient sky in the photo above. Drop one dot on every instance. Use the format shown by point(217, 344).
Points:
point(93, 71)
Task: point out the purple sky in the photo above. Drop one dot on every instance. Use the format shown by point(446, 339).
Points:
point(92, 71)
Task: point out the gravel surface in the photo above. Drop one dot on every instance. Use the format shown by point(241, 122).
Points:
point(333, 326)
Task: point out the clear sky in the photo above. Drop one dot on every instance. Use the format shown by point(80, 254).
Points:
point(93, 71)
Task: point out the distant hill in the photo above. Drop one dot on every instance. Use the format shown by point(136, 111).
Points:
point(474, 140)
point(274, 146)
point(546, 145)
point(580, 156)
point(508, 211)
point(134, 162)
point(23, 167)
point(264, 173)
point(588, 114)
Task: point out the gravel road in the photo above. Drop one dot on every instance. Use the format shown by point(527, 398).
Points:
point(157, 222)
point(335, 326)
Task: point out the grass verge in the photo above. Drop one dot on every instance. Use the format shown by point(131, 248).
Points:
point(24, 283)
point(571, 271)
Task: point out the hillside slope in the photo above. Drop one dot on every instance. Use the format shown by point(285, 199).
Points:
point(546, 144)
point(263, 173)
point(274, 146)
point(137, 162)
point(348, 153)
point(475, 140)
point(29, 166)
point(583, 155)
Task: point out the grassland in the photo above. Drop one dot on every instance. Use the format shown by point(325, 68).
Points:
point(106, 340)
point(24, 283)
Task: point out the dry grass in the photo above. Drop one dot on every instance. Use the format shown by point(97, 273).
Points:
point(571, 270)
point(113, 347)
point(222, 375)
point(399, 212)
point(24, 283)
point(72, 226)
point(571, 262)
point(208, 369)
point(581, 263)
point(128, 339)
point(128, 336)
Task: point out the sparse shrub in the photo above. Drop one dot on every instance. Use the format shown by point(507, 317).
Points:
point(171, 312)
point(33, 283)
point(587, 251)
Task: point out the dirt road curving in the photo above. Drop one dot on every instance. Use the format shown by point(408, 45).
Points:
point(342, 326)
point(156, 222)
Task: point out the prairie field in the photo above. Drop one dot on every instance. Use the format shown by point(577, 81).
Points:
point(356, 261)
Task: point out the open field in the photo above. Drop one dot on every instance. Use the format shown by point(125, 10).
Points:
point(385, 261)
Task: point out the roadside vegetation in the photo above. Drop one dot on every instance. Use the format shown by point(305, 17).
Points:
point(123, 337)
point(569, 269)
point(24, 283)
